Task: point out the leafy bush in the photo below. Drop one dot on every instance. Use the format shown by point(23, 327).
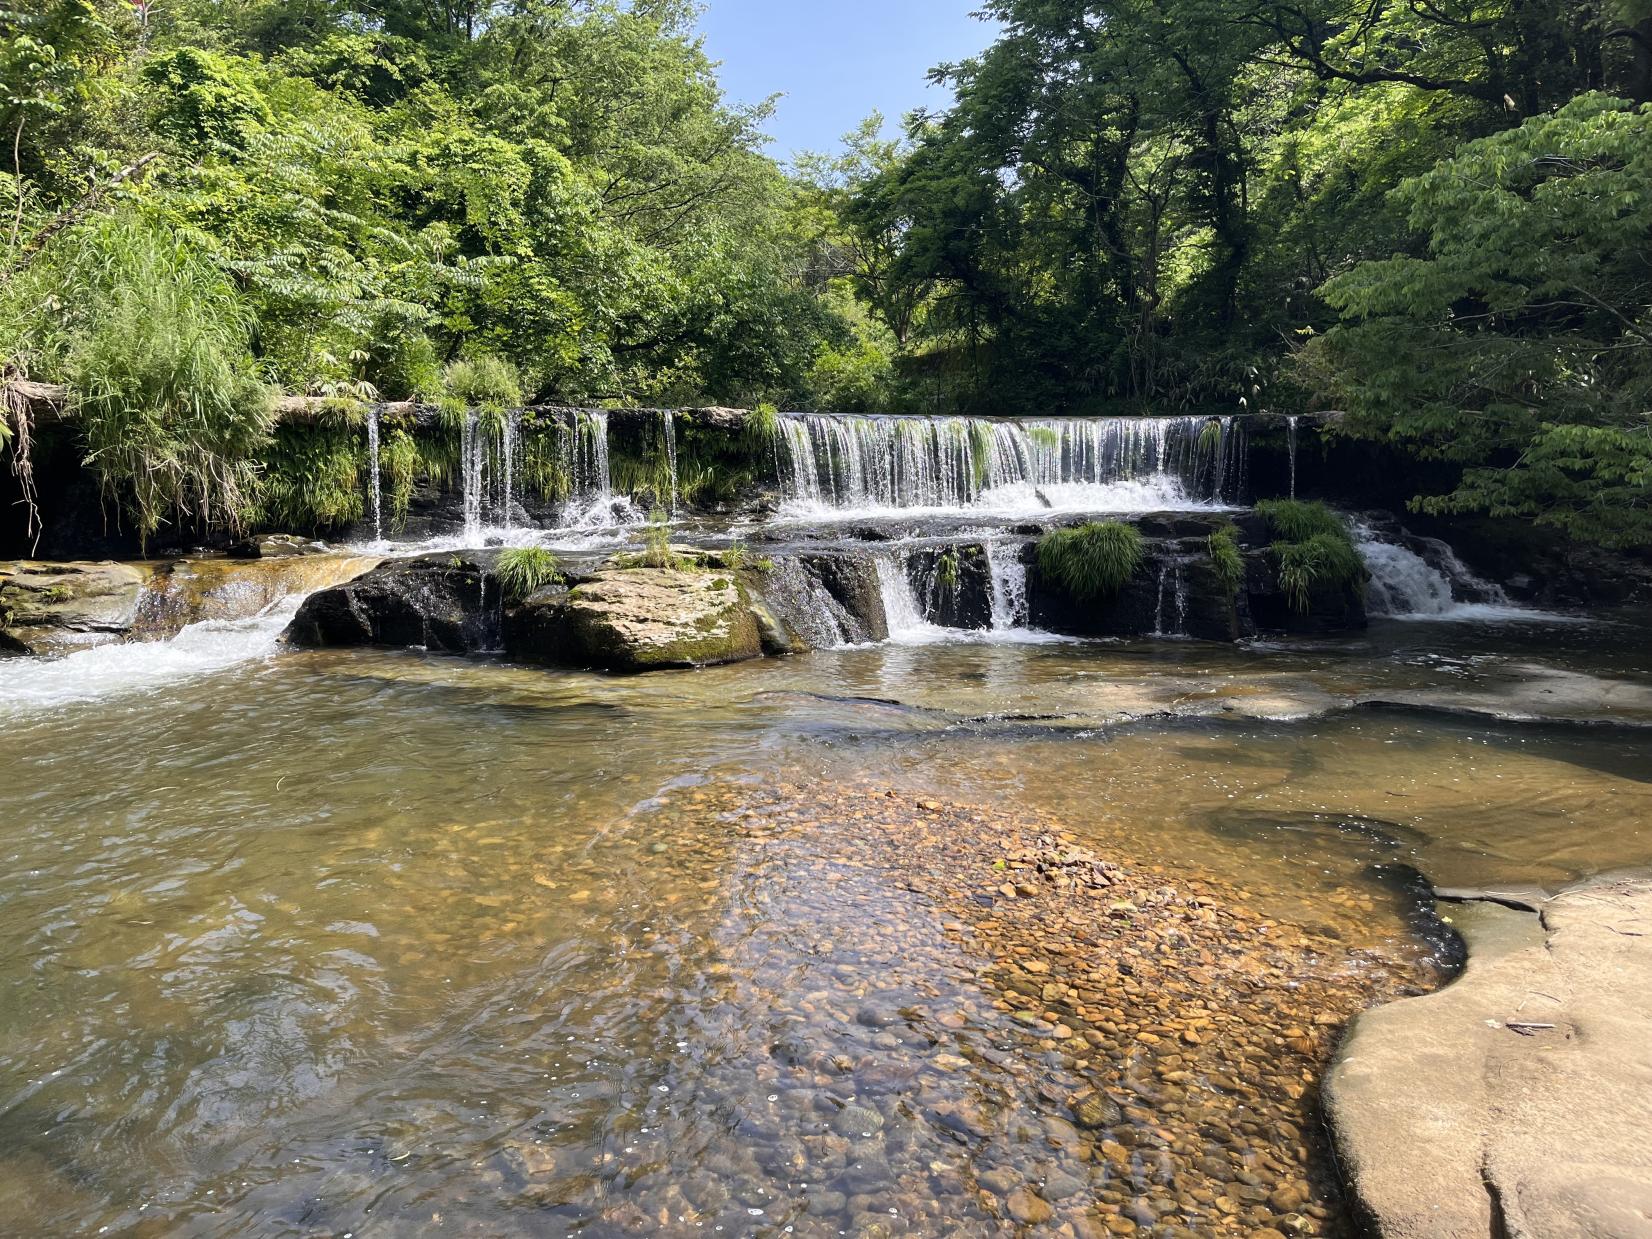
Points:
point(1326, 560)
point(1091, 561)
point(1295, 520)
point(525, 570)
point(483, 382)
point(1225, 558)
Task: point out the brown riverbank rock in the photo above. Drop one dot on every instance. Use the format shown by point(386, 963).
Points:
point(639, 619)
point(48, 608)
point(1516, 1101)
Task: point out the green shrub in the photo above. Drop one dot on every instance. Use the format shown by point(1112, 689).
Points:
point(398, 466)
point(483, 382)
point(525, 570)
point(1294, 520)
point(1326, 560)
point(1091, 561)
point(1225, 558)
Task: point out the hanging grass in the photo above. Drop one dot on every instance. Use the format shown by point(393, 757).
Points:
point(398, 467)
point(1296, 520)
point(312, 480)
point(525, 570)
point(1226, 559)
point(153, 343)
point(1091, 561)
point(1324, 561)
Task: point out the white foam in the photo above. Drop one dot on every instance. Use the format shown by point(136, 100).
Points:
point(33, 686)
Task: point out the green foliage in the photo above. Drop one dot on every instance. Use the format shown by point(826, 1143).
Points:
point(1091, 561)
point(312, 480)
point(656, 545)
point(525, 570)
point(1297, 520)
point(1313, 549)
point(488, 381)
point(399, 467)
point(1226, 559)
point(155, 347)
point(1323, 561)
point(1533, 310)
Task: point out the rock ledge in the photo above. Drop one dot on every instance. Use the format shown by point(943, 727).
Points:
point(1517, 1101)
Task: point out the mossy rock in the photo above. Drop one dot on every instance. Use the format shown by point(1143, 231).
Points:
point(638, 619)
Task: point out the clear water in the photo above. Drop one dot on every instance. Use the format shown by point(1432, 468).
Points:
point(380, 943)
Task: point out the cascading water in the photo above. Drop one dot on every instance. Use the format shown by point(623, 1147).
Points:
point(1009, 587)
point(470, 458)
point(864, 465)
point(1170, 617)
point(905, 614)
point(510, 442)
point(1291, 427)
point(668, 440)
point(374, 487)
point(1405, 585)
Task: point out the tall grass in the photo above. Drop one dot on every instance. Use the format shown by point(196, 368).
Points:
point(1297, 520)
point(1313, 550)
point(1091, 561)
point(154, 345)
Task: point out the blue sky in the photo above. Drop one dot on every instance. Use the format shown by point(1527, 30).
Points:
point(837, 60)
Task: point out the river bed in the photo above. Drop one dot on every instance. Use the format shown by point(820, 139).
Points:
point(385, 943)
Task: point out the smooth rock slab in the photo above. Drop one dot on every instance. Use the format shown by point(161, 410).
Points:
point(1518, 1100)
point(52, 608)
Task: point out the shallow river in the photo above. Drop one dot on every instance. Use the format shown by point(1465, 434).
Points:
point(368, 944)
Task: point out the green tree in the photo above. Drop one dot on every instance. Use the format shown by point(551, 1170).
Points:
point(1520, 343)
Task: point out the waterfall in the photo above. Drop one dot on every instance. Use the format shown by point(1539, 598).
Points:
point(1406, 585)
point(907, 623)
point(591, 479)
point(1009, 586)
point(865, 465)
point(1291, 424)
point(668, 437)
point(510, 443)
point(1173, 597)
point(374, 485)
point(470, 458)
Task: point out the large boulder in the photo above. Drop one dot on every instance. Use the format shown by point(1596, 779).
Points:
point(50, 608)
point(445, 602)
point(638, 619)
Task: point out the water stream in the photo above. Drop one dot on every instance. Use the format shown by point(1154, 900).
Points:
point(382, 943)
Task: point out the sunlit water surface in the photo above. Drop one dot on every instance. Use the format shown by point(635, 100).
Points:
point(380, 943)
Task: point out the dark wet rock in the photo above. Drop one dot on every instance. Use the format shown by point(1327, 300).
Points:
point(1516, 1100)
point(641, 619)
point(52, 608)
point(953, 584)
point(816, 601)
point(445, 602)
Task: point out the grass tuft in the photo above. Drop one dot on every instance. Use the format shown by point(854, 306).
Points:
point(525, 570)
point(1296, 520)
point(1091, 561)
point(1226, 559)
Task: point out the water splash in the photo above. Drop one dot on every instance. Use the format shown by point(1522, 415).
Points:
point(668, 440)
